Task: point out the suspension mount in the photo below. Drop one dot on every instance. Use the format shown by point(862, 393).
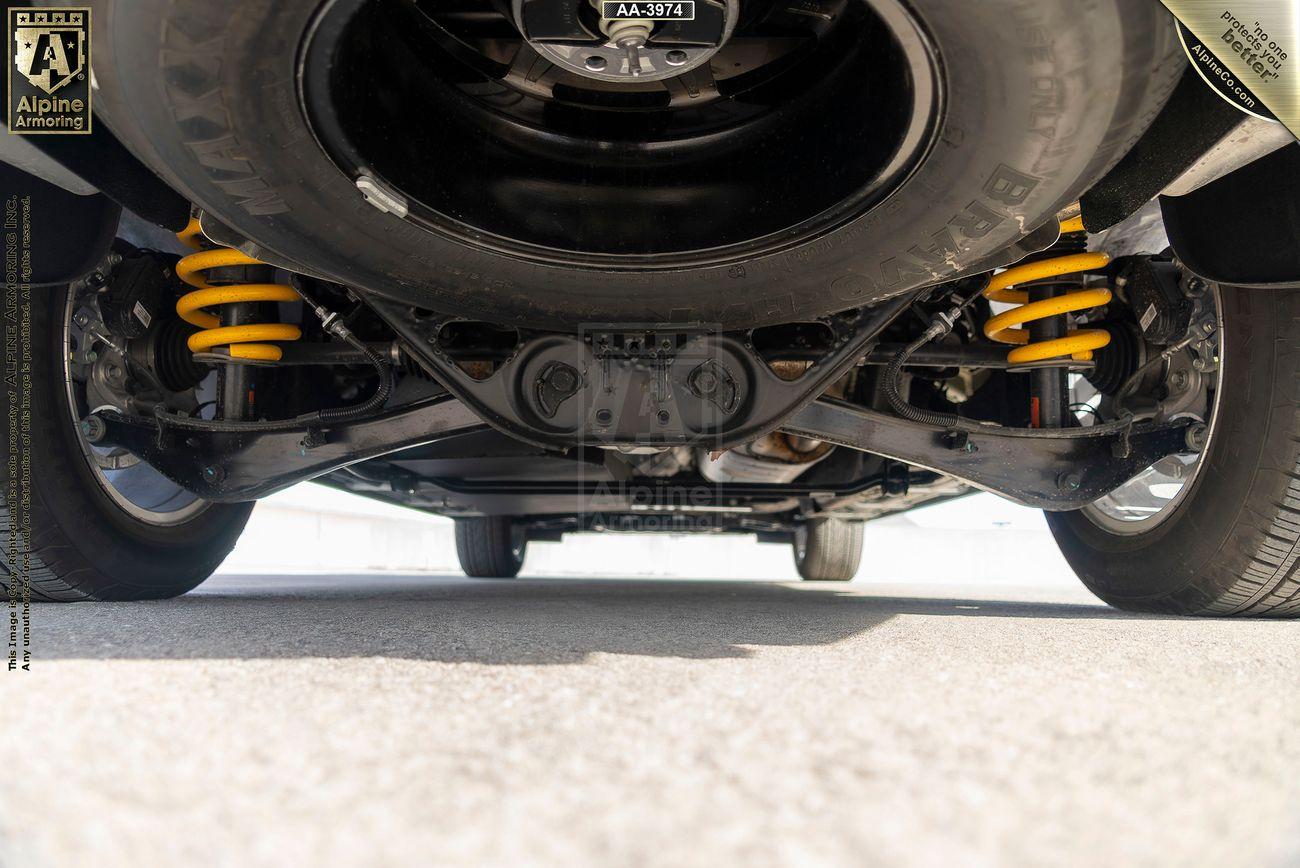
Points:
point(1051, 473)
point(656, 385)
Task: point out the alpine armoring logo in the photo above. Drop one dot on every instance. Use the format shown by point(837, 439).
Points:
point(49, 76)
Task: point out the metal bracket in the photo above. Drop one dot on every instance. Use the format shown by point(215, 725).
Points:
point(1052, 473)
point(660, 385)
point(1045, 472)
point(233, 466)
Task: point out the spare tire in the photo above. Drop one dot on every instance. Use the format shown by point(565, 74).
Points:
point(888, 157)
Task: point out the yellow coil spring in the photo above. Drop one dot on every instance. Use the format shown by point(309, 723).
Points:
point(1078, 343)
point(243, 341)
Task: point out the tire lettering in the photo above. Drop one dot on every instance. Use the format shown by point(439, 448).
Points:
point(192, 76)
point(1009, 186)
point(939, 257)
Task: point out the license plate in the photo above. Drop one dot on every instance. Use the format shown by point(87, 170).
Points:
point(617, 10)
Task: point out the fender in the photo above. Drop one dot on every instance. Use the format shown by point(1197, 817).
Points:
point(1243, 228)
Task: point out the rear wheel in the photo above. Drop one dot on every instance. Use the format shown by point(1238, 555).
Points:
point(1219, 536)
point(491, 547)
point(81, 522)
point(828, 550)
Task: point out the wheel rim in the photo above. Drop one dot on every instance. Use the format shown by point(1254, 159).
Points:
point(555, 168)
point(136, 488)
point(1151, 498)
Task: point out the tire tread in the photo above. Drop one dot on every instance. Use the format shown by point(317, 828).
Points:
point(833, 551)
point(485, 547)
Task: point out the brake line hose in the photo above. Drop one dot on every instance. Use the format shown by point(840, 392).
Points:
point(940, 325)
point(333, 325)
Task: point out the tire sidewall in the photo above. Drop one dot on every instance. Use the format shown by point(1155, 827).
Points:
point(111, 553)
point(1196, 554)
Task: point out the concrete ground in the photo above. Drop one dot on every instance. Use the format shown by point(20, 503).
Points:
point(416, 720)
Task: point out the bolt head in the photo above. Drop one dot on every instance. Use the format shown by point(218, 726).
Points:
point(93, 429)
point(1070, 481)
point(1196, 436)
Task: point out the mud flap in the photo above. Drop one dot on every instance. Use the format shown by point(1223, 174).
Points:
point(1243, 228)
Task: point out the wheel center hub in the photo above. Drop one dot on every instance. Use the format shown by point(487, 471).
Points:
point(626, 40)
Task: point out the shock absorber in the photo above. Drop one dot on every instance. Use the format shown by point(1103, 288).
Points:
point(1045, 307)
point(235, 284)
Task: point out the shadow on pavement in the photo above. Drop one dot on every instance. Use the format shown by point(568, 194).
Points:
point(531, 622)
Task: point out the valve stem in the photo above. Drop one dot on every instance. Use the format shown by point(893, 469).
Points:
point(629, 34)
